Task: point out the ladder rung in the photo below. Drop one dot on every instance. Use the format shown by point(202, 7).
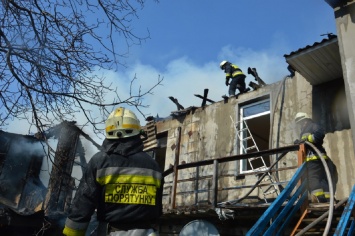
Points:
point(260, 168)
point(249, 148)
point(247, 138)
point(270, 192)
point(268, 179)
point(270, 187)
point(254, 158)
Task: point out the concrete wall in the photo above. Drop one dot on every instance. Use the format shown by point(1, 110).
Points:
point(205, 134)
point(345, 23)
point(209, 132)
point(325, 104)
point(341, 143)
point(293, 95)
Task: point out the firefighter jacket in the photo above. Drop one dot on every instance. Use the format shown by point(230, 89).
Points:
point(232, 71)
point(313, 133)
point(123, 184)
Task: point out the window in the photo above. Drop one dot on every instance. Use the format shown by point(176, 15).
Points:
point(253, 132)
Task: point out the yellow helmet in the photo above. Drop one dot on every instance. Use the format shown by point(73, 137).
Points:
point(301, 116)
point(122, 123)
point(223, 63)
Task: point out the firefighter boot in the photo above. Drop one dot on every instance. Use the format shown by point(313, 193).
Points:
point(317, 196)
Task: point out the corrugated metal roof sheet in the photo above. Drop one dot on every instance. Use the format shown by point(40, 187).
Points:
point(317, 63)
point(337, 3)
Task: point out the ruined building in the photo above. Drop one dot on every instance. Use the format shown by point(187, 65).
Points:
point(230, 166)
point(36, 185)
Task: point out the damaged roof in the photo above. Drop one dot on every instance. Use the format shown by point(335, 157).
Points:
point(317, 63)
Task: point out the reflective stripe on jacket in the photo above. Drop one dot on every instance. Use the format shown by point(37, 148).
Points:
point(312, 158)
point(232, 70)
point(128, 185)
point(124, 185)
point(73, 228)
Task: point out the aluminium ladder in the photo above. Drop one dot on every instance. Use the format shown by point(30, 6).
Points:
point(244, 135)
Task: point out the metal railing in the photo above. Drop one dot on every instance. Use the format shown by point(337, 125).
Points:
point(281, 218)
point(214, 173)
point(346, 225)
point(292, 199)
point(277, 217)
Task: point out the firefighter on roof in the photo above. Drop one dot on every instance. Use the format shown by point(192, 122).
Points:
point(122, 183)
point(317, 178)
point(236, 74)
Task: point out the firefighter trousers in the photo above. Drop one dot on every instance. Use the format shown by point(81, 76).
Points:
point(237, 82)
point(318, 185)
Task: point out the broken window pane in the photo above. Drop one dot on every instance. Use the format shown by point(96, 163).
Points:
point(256, 108)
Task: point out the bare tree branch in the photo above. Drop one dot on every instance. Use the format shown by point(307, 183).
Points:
point(50, 51)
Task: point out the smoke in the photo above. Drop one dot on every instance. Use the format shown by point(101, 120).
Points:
point(20, 184)
point(21, 146)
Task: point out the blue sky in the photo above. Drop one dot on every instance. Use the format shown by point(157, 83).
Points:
point(189, 38)
point(200, 29)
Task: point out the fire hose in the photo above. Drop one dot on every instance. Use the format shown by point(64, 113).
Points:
point(331, 191)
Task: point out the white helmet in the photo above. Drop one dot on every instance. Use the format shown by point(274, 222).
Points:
point(301, 116)
point(222, 64)
point(122, 123)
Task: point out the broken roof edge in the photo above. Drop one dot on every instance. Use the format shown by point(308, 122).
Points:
point(184, 111)
point(26, 136)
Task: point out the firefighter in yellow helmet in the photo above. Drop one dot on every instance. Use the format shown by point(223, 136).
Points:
point(236, 75)
point(317, 179)
point(121, 182)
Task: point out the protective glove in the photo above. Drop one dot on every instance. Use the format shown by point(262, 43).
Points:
point(297, 141)
point(308, 137)
point(227, 82)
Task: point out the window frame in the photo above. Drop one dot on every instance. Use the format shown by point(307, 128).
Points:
point(243, 165)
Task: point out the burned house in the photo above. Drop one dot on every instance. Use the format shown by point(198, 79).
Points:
point(21, 190)
point(36, 184)
point(215, 155)
point(228, 165)
point(207, 152)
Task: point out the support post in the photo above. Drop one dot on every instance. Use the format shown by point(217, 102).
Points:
point(301, 154)
point(215, 183)
point(301, 157)
point(60, 182)
point(176, 163)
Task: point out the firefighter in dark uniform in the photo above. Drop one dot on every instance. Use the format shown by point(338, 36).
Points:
point(236, 74)
point(122, 183)
point(317, 178)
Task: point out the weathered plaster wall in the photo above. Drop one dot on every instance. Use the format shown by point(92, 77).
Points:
point(340, 149)
point(330, 110)
point(206, 133)
point(323, 105)
point(339, 143)
point(293, 95)
point(345, 23)
point(209, 132)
